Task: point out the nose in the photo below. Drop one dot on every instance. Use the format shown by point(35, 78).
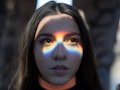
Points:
point(59, 52)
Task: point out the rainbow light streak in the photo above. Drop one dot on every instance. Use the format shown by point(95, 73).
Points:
point(75, 49)
point(59, 40)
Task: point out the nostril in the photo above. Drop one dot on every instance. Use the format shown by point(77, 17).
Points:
point(59, 57)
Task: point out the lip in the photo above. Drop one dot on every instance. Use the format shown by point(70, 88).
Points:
point(59, 69)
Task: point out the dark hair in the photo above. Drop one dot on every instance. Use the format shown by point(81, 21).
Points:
point(27, 74)
point(118, 87)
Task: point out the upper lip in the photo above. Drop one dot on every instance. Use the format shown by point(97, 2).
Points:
point(59, 67)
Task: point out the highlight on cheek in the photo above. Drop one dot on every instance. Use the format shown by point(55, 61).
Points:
point(59, 39)
point(81, 49)
point(75, 49)
point(49, 49)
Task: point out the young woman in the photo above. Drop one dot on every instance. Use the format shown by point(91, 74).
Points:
point(56, 52)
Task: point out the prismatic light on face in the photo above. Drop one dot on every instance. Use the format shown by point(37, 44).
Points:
point(70, 42)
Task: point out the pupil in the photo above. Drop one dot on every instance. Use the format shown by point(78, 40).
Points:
point(48, 40)
point(73, 40)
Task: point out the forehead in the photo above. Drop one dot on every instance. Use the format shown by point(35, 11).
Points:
point(56, 23)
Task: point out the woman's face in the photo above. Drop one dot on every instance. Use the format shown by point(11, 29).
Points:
point(57, 48)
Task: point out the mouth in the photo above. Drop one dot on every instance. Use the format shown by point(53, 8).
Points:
point(59, 69)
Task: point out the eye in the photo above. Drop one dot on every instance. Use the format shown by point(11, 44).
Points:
point(47, 41)
point(72, 41)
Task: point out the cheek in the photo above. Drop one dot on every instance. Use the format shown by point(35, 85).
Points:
point(75, 56)
point(37, 51)
point(47, 50)
point(75, 63)
point(75, 50)
point(39, 59)
point(38, 55)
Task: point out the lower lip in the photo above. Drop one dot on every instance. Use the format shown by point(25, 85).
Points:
point(59, 71)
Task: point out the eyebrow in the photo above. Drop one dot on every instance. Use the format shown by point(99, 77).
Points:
point(51, 35)
point(45, 34)
point(72, 34)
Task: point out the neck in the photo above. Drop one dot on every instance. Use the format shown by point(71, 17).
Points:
point(71, 83)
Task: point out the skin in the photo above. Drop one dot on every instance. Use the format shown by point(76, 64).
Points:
point(57, 48)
